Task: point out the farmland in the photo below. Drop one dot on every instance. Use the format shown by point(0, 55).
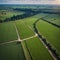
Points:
point(54, 18)
point(12, 51)
point(51, 33)
point(34, 45)
point(7, 32)
point(7, 14)
point(23, 29)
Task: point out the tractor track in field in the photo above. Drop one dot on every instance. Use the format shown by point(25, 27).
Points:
point(20, 40)
point(8, 42)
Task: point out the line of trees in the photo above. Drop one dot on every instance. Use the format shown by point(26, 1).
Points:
point(28, 13)
point(25, 15)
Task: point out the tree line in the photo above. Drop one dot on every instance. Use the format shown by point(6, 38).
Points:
point(28, 13)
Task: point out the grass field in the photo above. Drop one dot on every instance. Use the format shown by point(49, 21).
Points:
point(24, 30)
point(12, 51)
point(31, 20)
point(7, 32)
point(54, 18)
point(56, 22)
point(8, 14)
point(37, 50)
point(51, 33)
point(33, 48)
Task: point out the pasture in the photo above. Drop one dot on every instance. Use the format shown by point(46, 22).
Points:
point(7, 32)
point(7, 14)
point(51, 33)
point(34, 45)
point(37, 50)
point(21, 27)
point(54, 18)
point(11, 51)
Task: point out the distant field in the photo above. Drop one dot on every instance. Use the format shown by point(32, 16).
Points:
point(31, 20)
point(12, 51)
point(37, 50)
point(7, 32)
point(51, 33)
point(56, 22)
point(54, 18)
point(8, 14)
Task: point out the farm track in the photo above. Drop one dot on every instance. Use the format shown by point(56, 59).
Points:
point(7, 42)
point(18, 40)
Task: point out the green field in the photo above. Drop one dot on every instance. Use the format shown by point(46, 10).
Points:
point(8, 14)
point(24, 30)
point(51, 33)
point(12, 51)
point(56, 22)
point(54, 18)
point(30, 20)
point(37, 50)
point(7, 32)
point(19, 39)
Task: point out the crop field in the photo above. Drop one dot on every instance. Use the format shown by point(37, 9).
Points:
point(50, 32)
point(27, 30)
point(56, 22)
point(7, 32)
point(54, 18)
point(33, 45)
point(30, 20)
point(7, 14)
point(12, 51)
point(24, 30)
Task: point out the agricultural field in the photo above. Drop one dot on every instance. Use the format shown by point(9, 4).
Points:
point(11, 51)
point(7, 14)
point(30, 20)
point(54, 18)
point(33, 45)
point(23, 29)
point(21, 36)
point(50, 32)
point(7, 32)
